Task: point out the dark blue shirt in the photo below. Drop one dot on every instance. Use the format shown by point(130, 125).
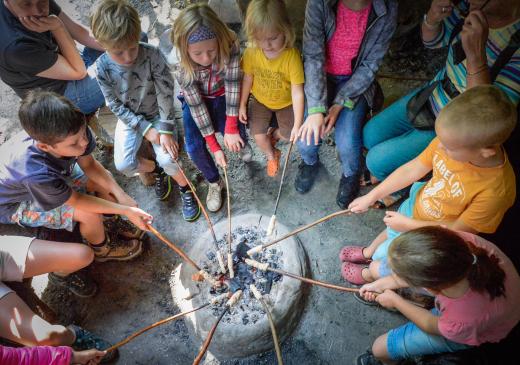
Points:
point(30, 174)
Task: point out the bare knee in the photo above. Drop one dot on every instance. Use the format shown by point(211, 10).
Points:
point(54, 335)
point(373, 268)
point(379, 348)
point(83, 255)
point(91, 219)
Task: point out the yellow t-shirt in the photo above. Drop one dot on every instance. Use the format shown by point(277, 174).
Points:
point(479, 196)
point(272, 79)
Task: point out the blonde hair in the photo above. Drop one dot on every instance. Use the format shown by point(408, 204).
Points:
point(480, 117)
point(268, 14)
point(115, 24)
point(188, 21)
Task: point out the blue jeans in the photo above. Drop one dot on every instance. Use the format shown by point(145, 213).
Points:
point(409, 340)
point(348, 128)
point(194, 141)
point(392, 140)
point(86, 93)
point(127, 142)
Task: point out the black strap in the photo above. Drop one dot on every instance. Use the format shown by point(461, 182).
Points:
point(505, 56)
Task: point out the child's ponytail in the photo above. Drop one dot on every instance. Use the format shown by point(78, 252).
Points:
point(485, 274)
point(436, 258)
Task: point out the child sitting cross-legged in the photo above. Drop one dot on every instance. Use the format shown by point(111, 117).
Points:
point(472, 184)
point(273, 73)
point(138, 88)
point(475, 287)
point(47, 170)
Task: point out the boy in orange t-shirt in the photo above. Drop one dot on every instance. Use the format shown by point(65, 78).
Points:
point(472, 184)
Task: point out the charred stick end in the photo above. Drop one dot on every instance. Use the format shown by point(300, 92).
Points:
point(257, 264)
point(219, 298)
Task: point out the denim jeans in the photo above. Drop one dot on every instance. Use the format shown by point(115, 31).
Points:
point(195, 142)
point(127, 142)
point(392, 140)
point(86, 93)
point(348, 128)
point(408, 340)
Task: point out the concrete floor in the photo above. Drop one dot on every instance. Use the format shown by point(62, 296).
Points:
point(334, 328)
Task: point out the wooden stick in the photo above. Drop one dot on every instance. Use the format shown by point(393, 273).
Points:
point(266, 267)
point(206, 343)
point(174, 248)
point(296, 231)
point(276, 341)
point(272, 222)
point(156, 324)
point(229, 238)
point(206, 215)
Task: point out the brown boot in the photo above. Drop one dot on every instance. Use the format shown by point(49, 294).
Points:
point(119, 250)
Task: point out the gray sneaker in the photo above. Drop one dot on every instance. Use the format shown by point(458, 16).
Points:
point(214, 198)
point(86, 340)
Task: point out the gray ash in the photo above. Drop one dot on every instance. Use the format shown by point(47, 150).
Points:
point(248, 310)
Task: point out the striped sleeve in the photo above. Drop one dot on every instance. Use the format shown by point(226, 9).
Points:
point(508, 78)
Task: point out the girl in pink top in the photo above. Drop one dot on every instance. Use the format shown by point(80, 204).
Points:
point(48, 355)
point(475, 287)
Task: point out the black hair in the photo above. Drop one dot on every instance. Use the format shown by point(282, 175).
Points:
point(49, 117)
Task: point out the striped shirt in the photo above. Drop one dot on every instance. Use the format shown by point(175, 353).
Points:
point(210, 83)
point(508, 78)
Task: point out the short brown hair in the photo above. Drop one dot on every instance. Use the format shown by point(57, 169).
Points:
point(115, 24)
point(482, 116)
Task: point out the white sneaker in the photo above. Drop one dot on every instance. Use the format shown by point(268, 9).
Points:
point(214, 198)
point(246, 153)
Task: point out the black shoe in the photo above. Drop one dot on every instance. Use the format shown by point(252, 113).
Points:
point(79, 283)
point(86, 340)
point(163, 185)
point(367, 358)
point(305, 177)
point(347, 191)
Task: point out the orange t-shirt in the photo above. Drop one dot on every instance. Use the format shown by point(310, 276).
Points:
point(479, 196)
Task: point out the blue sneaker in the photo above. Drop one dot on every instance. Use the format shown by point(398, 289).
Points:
point(86, 340)
point(190, 209)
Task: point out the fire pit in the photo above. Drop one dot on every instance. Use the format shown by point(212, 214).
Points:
point(244, 331)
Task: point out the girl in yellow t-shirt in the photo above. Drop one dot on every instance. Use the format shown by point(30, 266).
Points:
point(273, 74)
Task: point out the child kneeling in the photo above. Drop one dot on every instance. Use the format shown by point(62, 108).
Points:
point(273, 73)
point(138, 87)
point(472, 186)
point(475, 287)
point(48, 170)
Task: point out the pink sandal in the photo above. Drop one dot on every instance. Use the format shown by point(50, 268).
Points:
point(353, 254)
point(352, 273)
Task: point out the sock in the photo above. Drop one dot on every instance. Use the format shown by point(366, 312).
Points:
point(99, 244)
point(184, 189)
point(158, 169)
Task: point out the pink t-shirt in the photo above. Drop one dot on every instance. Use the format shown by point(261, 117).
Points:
point(474, 319)
point(344, 45)
point(39, 355)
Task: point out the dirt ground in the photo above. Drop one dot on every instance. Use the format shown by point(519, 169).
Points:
point(334, 328)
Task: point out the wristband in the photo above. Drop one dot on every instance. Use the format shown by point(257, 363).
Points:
point(231, 125)
point(213, 145)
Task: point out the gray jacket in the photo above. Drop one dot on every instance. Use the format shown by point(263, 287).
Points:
point(320, 25)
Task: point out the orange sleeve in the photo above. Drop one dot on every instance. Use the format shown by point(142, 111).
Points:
point(426, 156)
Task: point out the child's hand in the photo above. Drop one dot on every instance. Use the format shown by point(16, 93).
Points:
point(371, 290)
point(312, 127)
point(242, 114)
point(388, 298)
point(87, 357)
point(398, 222)
point(332, 117)
point(294, 134)
point(233, 142)
point(153, 136)
point(361, 204)
point(220, 158)
point(139, 217)
point(169, 145)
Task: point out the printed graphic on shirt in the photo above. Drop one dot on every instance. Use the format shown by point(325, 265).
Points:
point(443, 186)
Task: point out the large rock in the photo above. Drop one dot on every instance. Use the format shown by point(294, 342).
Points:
point(286, 300)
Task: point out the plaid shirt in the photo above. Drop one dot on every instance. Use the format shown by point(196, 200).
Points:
point(209, 82)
